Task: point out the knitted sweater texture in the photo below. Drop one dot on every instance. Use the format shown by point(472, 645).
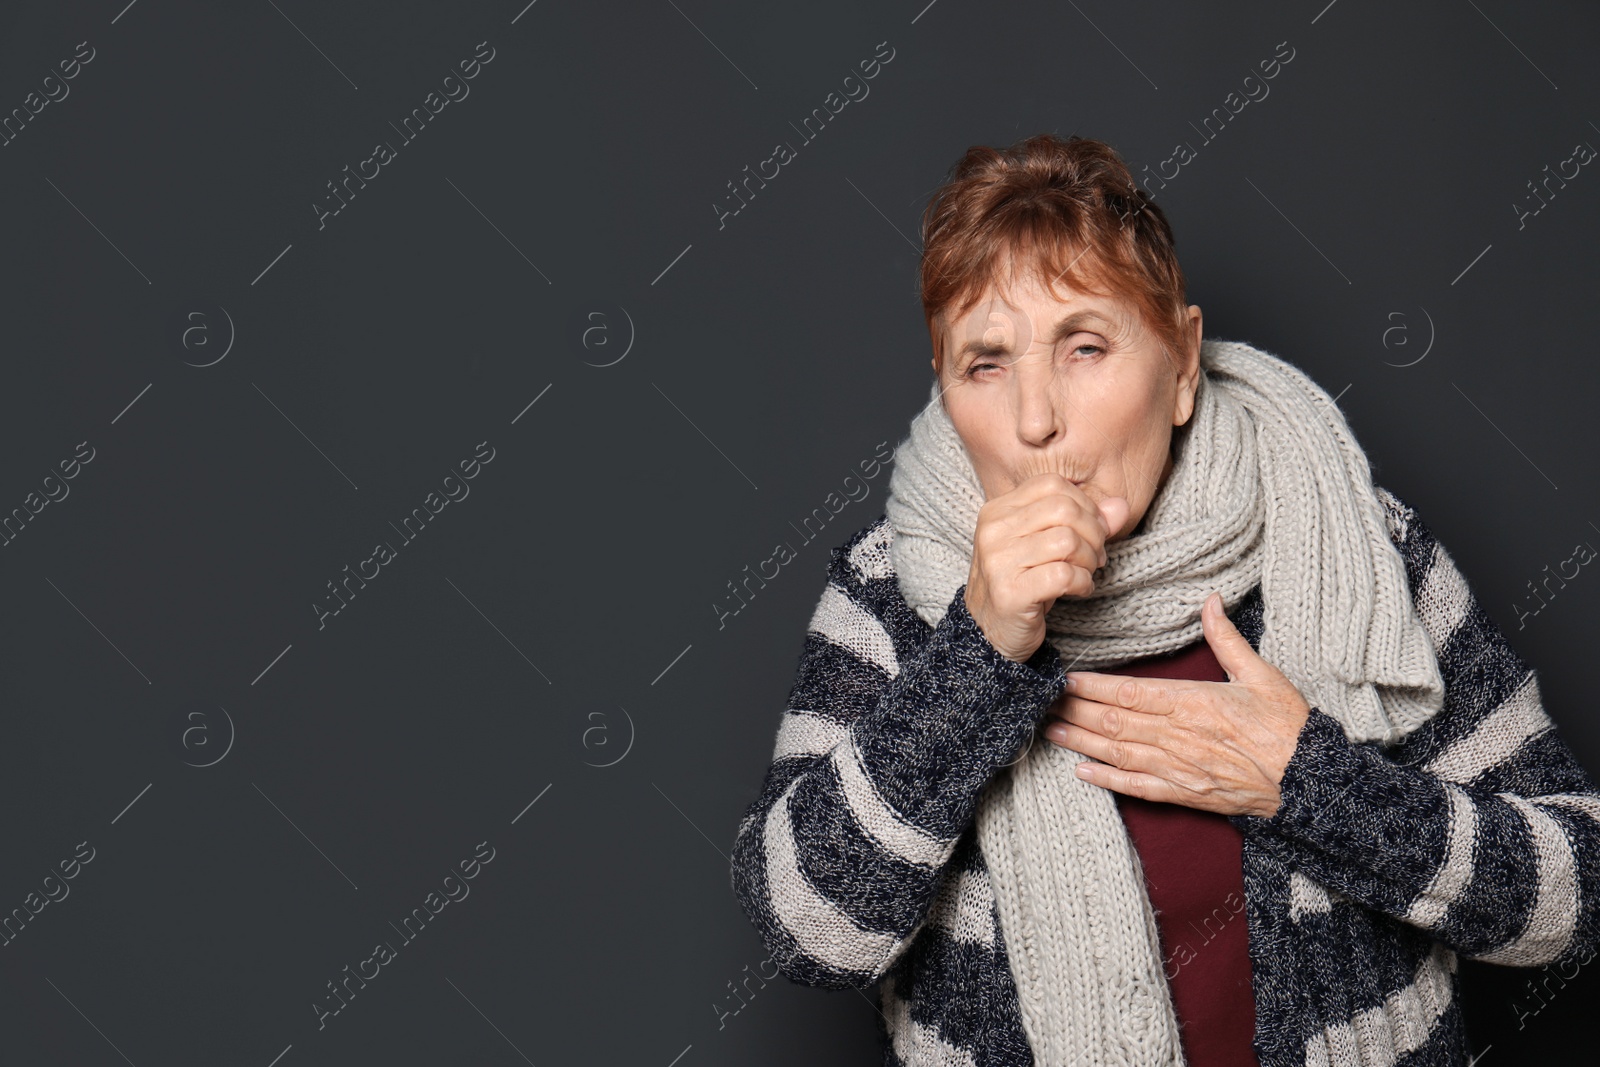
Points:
point(1476, 835)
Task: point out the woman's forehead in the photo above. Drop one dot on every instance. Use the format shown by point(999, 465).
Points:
point(1034, 309)
point(1014, 285)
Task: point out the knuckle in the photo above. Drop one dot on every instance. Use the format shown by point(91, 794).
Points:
point(1111, 723)
point(1129, 693)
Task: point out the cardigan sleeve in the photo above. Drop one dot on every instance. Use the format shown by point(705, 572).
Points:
point(1480, 827)
point(879, 763)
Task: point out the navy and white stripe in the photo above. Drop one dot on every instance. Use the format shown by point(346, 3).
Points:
point(1478, 834)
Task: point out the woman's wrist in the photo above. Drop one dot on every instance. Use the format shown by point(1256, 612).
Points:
point(1042, 661)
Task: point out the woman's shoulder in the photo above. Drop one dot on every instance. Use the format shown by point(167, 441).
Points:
point(862, 569)
point(1463, 633)
point(1426, 562)
point(864, 556)
point(1397, 513)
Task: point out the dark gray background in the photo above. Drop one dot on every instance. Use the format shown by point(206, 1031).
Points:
point(562, 615)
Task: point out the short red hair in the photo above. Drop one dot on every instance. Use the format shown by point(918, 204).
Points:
point(1050, 201)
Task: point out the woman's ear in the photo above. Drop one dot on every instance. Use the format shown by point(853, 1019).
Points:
point(1188, 370)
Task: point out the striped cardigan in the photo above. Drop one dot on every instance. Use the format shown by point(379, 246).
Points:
point(1477, 835)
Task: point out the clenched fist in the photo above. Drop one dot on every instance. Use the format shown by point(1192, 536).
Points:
point(1042, 540)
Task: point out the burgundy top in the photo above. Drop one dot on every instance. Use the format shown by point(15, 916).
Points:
point(1193, 871)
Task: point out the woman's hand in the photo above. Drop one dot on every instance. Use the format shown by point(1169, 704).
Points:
point(1042, 540)
point(1216, 746)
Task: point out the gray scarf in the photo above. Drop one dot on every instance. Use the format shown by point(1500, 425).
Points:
point(1268, 486)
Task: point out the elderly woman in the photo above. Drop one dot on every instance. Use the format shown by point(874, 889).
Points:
point(1143, 727)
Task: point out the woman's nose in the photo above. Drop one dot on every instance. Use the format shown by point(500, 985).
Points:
point(1038, 420)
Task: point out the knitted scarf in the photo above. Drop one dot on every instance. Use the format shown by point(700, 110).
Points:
point(1268, 486)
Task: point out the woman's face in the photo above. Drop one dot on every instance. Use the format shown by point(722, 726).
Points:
point(1076, 385)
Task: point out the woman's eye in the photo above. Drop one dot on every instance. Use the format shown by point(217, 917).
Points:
point(1093, 349)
